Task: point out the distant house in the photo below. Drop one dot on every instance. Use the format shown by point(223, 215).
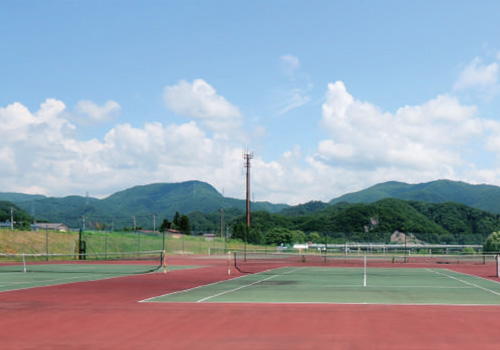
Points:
point(50, 227)
point(172, 231)
point(5, 224)
point(209, 236)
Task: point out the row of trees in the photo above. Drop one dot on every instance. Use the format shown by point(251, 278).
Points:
point(179, 223)
point(274, 236)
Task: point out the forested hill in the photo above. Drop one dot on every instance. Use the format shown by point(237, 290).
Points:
point(443, 223)
point(9, 210)
point(485, 197)
point(161, 200)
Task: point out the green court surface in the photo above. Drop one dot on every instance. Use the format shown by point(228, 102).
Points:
point(54, 274)
point(398, 286)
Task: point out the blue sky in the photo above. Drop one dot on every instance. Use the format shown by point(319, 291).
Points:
point(331, 96)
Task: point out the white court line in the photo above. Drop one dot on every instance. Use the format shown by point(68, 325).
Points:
point(470, 284)
point(241, 287)
point(235, 289)
point(384, 286)
point(190, 289)
point(211, 284)
point(43, 281)
point(94, 278)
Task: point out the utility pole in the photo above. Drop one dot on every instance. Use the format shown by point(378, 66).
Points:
point(247, 157)
point(138, 235)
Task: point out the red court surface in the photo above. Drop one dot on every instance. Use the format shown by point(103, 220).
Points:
point(107, 314)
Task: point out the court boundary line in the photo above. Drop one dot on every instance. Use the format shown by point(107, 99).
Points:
point(205, 285)
point(388, 286)
point(43, 281)
point(192, 288)
point(235, 289)
point(248, 285)
point(472, 286)
point(468, 274)
point(73, 282)
point(330, 303)
point(468, 283)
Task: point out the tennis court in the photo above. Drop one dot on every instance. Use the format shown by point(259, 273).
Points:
point(23, 271)
point(284, 303)
point(331, 285)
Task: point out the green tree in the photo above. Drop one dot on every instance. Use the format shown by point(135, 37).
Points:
point(165, 225)
point(238, 231)
point(492, 243)
point(176, 221)
point(255, 236)
point(279, 235)
point(184, 225)
point(299, 236)
point(315, 237)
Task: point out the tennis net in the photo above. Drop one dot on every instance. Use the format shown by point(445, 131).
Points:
point(106, 263)
point(480, 264)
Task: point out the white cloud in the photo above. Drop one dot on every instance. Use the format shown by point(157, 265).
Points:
point(478, 75)
point(46, 125)
point(329, 149)
point(298, 86)
point(199, 100)
point(43, 154)
point(365, 145)
point(423, 138)
point(89, 113)
point(296, 98)
point(290, 64)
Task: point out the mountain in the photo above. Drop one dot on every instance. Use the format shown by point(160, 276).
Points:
point(304, 209)
point(139, 203)
point(19, 197)
point(484, 197)
point(149, 205)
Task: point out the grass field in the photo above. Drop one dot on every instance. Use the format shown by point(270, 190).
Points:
point(99, 242)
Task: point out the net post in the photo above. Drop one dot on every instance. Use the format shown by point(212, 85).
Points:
point(228, 263)
point(364, 272)
point(164, 261)
point(235, 263)
point(498, 264)
point(24, 263)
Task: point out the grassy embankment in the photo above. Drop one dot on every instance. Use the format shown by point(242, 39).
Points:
point(30, 242)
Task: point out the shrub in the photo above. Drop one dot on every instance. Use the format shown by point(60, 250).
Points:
point(492, 243)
